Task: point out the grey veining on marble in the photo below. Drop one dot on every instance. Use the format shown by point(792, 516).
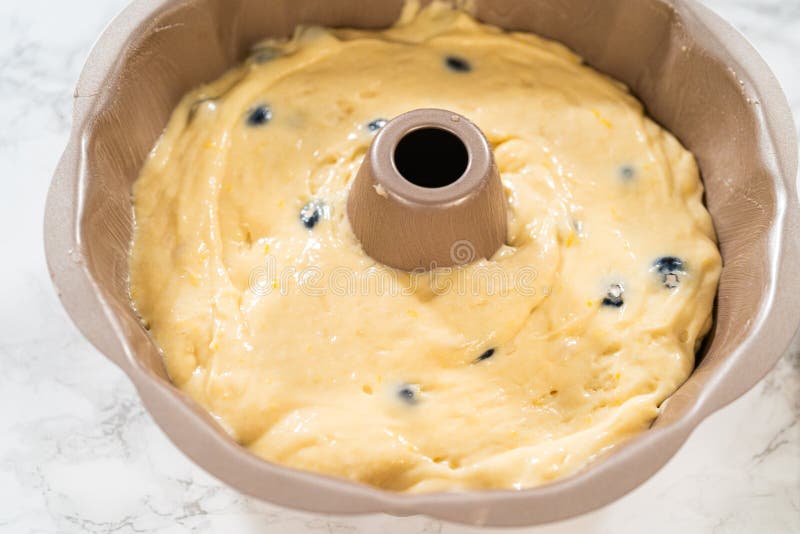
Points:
point(78, 453)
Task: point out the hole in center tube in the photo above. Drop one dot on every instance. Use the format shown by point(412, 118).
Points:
point(431, 157)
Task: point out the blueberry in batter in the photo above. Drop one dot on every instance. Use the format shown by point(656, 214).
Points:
point(457, 64)
point(259, 116)
point(376, 125)
point(613, 296)
point(627, 172)
point(311, 213)
point(485, 356)
point(670, 269)
point(409, 393)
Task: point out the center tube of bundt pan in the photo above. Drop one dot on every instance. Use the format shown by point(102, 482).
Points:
point(428, 193)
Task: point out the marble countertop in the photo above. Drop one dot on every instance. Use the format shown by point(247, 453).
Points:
point(78, 452)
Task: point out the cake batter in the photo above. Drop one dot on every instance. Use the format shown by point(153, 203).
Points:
point(246, 271)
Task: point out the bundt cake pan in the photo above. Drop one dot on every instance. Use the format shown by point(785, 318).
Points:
point(696, 75)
